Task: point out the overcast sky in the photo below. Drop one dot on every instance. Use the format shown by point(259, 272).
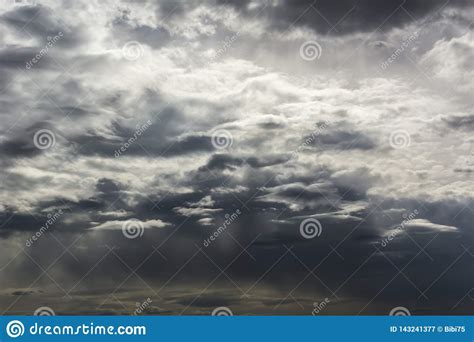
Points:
point(325, 146)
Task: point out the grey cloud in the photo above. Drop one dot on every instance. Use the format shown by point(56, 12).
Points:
point(18, 57)
point(462, 121)
point(42, 23)
point(350, 15)
point(342, 139)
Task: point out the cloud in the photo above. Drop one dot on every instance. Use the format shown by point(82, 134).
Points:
point(451, 61)
point(310, 140)
point(345, 17)
point(420, 225)
point(118, 225)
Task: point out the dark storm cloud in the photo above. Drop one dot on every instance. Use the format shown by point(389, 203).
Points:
point(146, 146)
point(19, 148)
point(363, 231)
point(350, 15)
point(42, 23)
point(343, 140)
point(16, 57)
point(223, 161)
point(227, 161)
point(22, 144)
point(164, 135)
point(465, 121)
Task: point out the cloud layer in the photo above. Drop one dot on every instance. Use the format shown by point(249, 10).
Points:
point(173, 151)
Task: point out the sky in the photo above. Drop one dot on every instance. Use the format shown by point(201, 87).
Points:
point(245, 157)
